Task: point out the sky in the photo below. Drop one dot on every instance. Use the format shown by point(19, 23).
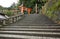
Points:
point(7, 3)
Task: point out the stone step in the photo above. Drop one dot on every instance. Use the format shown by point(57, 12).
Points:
point(30, 32)
point(29, 29)
point(38, 27)
point(32, 24)
point(18, 36)
point(26, 36)
point(11, 38)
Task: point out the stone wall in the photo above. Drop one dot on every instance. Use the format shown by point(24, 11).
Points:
point(52, 10)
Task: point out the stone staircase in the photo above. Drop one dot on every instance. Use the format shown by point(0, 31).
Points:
point(30, 32)
point(32, 26)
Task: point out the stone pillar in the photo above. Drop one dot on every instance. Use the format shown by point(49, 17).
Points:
point(36, 8)
point(4, 22)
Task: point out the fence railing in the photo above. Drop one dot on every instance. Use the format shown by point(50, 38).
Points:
point(10, 20)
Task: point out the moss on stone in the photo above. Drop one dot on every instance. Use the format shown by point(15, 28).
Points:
point(52, 9)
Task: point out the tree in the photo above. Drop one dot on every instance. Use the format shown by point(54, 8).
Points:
point(31, 3)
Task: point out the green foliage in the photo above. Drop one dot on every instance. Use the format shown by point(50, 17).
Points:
point(31, 3)
point(53, 10)
point(9, 13)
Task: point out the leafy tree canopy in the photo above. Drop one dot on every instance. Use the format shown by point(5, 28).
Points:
point(31, 3)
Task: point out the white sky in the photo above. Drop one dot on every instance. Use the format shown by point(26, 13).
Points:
point(7, 3)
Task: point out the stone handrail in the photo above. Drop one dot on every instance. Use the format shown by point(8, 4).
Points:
point(10, 20)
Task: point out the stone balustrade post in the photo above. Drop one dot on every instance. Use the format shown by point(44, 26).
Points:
point(11, 20)
point(14, 19)
point(17, 18)
point(4, 22)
